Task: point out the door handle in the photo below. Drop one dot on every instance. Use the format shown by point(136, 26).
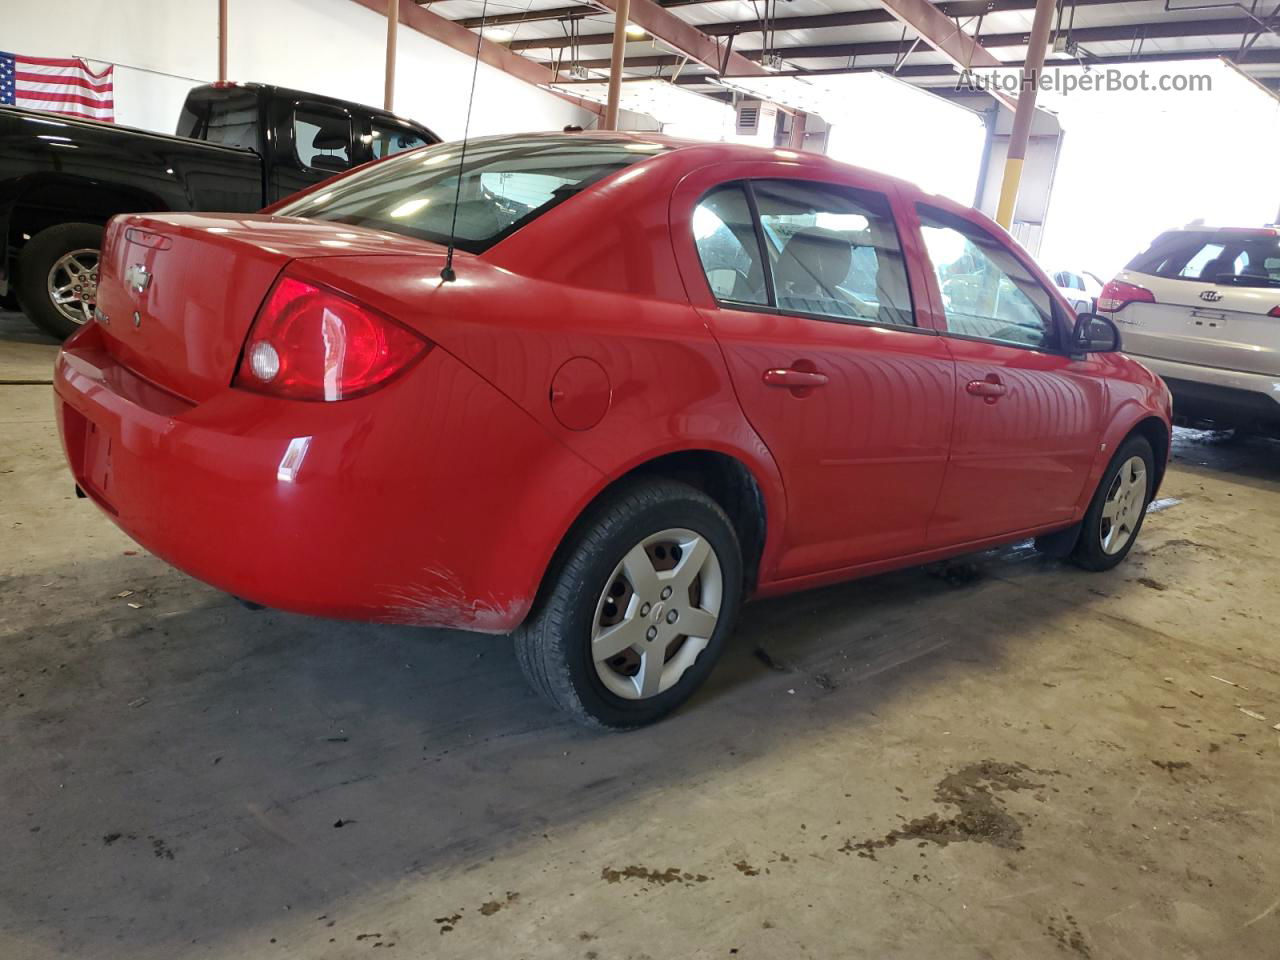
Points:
point(794, 378)
point(991, 389)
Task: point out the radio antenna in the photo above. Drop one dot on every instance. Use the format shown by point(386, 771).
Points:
point(446, 273)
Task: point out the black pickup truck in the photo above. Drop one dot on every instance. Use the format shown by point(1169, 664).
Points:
point(239, 147)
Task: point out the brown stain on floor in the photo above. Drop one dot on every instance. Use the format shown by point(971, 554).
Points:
point(660, 877)
point(974, 791)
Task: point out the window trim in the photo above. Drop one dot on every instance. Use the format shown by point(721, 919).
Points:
point(772, 308)
point(1060, 335)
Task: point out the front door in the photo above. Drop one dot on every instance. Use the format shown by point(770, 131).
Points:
point(814, 314)
point(1028, 415)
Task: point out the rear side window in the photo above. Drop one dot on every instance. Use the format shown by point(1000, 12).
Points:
point(725, 235)
point(232, 121)
point(833, 251)
point(817, 249)
point(508, 181)
point(1249, 258)
point(322, 140)
point(986, 291)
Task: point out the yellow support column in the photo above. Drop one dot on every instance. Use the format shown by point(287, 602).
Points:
point(1025, 111)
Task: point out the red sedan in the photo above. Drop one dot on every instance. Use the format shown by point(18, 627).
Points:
point(661, 377)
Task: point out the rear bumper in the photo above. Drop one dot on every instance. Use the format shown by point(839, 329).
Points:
point(1222, 397)
point(434, 501)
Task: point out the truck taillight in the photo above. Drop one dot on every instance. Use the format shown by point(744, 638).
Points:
point(1117, 294)
point(1275, 311)
point(310, 342)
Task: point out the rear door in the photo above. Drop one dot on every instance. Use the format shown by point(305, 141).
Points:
point(1216, 300)
point(1028, 415)
point(805, 285)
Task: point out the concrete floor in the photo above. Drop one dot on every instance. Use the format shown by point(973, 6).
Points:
point(1007, 758)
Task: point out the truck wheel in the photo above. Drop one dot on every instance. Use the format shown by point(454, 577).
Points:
point(58, 277)
point(638, 609)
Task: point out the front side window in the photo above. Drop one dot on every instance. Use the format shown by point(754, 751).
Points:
point(728, 246)
point(986, 291)
point(322, 140)
point(833, 251)
point(506, 183)
point(390, 139)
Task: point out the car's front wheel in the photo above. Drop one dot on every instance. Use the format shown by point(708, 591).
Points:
point(1119, 506)
point(638, 607)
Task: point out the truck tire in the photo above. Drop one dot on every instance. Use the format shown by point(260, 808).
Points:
point(57, 283)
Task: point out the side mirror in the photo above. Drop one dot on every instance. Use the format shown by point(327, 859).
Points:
point(1094, 334)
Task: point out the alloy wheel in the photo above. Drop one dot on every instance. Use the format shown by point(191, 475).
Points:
point(1122, 510)
point(658, 611)
point(73, 284)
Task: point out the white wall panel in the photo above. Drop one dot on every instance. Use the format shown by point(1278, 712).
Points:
point(334, 47)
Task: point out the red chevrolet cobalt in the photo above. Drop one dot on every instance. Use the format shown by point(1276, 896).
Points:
point(660, 377)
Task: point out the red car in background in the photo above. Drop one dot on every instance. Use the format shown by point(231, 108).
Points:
point(667, 376)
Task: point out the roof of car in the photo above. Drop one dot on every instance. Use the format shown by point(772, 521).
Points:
point(723, 152)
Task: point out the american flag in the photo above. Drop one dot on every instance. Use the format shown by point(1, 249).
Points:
point(56, 84)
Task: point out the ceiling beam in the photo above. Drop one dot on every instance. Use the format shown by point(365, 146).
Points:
point(941, 32)
point(464, 41)
point(1267, 57)
point(729, 28)
point(684, 37)
point(557, 13)
point(988, 41)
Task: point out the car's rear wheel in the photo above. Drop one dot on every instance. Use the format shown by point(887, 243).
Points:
point(1115, 515)
point(638, 606)
point(58, 277)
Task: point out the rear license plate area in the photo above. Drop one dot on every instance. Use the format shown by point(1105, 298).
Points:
point(89, 454)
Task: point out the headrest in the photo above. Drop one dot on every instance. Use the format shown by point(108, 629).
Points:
point(815, 258)
point(329, 140)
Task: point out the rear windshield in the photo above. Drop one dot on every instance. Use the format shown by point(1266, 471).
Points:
point(229, 120)
point(506, 183)
point(1246, 258)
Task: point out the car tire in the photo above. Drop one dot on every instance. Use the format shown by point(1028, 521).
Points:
point(1119, 506)
point(48, 251)
point(608, 587)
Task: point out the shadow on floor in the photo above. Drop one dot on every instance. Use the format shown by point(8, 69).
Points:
point(190, 753)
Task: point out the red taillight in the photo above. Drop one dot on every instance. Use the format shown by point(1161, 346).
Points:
point(1118, 294)
point(312, 343)
point(1275, 311)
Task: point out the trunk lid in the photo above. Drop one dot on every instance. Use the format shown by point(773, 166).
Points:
point(1207, 324)
point(179, 292)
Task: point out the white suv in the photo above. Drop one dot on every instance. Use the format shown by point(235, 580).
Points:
point(1201, 307)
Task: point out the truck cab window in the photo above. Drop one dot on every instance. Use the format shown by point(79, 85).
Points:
point(389, 139)
point(231, 121)
point(322, 140)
